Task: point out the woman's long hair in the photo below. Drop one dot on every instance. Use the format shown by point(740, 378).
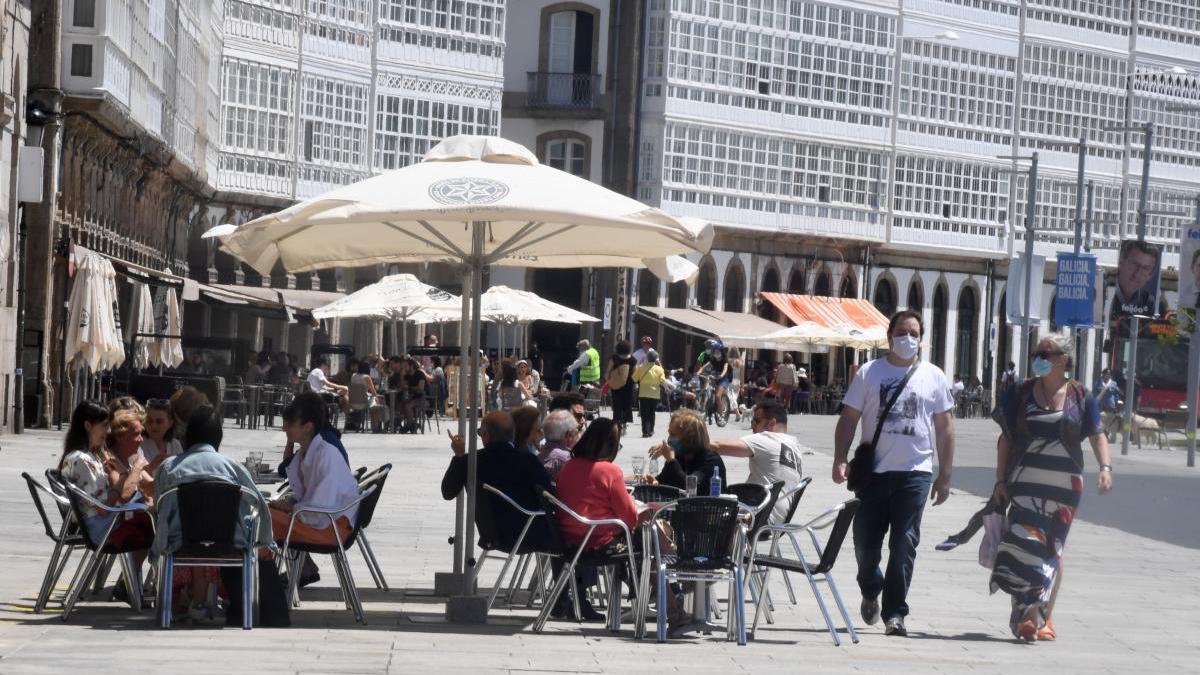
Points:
point(508, 375)
point(601, 442)
point(77, 433)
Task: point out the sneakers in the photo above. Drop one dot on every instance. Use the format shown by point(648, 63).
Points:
point(870, 610)
point(895, 626)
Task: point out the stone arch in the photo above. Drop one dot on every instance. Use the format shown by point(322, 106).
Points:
point(938, 329)
point(823, 285)
point(706, 283)
point(915, 299)
point(770, 284)
point(848, 288)
point(885, 297)
point(797, 283)
point(734, 286)
point(966, 331)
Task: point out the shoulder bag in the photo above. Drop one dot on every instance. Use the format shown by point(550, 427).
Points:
point(863, 464)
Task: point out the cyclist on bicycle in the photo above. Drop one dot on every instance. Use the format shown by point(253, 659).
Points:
point(717, 361)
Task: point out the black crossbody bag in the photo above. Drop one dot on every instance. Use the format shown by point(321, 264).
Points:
point(863, 464)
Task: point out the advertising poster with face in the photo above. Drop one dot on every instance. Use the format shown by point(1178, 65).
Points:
point(1189, 267)
point(1138, 272)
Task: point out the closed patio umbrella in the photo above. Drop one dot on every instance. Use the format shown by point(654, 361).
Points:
point(475, 201)
point(168, 352)
point(143, 326)
point(93, 337)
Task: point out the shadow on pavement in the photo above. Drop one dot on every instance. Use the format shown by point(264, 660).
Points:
point(1153, 506)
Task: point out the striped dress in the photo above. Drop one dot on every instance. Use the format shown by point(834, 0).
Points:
point(1044, 490)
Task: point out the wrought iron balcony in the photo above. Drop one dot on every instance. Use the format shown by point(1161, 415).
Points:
point(578, 91)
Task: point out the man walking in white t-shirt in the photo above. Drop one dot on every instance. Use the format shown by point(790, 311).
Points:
point(774, 454)
point(894, 496)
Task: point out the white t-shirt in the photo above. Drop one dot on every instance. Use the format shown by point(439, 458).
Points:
point(906, 443)
point(776, 458)
point(640, 355)
point(149, 450)
point(317, 380)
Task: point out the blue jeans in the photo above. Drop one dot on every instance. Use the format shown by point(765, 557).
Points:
point(894, 501)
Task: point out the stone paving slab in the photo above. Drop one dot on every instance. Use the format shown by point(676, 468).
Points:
point(1127, 604)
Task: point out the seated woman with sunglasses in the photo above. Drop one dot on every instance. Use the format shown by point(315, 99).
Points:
point(1039, 472)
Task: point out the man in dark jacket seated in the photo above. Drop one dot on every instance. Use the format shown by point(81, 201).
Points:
point(515, 472)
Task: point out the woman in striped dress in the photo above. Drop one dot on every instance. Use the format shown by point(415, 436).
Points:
point(1040, 477)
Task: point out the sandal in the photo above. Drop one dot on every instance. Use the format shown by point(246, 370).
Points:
point(1027, 631)
point(1046, 633)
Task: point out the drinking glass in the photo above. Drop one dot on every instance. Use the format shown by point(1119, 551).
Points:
point(653, 466)
point(692, 480)
point(639, 467)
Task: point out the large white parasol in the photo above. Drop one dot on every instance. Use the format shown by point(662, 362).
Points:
point(476, 201)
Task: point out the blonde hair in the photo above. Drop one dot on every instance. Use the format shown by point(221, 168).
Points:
point(123, 419)
point(692, 432)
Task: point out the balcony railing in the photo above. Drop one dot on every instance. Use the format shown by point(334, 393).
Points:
point(580, 91)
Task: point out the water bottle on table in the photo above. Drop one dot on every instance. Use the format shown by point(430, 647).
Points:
point(714, 485)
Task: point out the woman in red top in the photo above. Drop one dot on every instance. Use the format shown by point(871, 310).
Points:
point(592, 486)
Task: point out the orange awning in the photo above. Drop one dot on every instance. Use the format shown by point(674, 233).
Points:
point(835, 313)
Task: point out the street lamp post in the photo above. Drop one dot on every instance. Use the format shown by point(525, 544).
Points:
point(1030, 214)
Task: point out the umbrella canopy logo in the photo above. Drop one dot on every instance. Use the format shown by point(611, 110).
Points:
point(455, 191)
point(438, 295)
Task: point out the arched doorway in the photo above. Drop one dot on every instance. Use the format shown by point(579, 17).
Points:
point(706, 284)
point(916, 299)
point(938, 330)
point(1003, 340)
point(849, 287)
point(822, 285)
point(735, 287)
point(647, 296)
point(964, 340)
point(884, 298)
point(796, 282)
point(672, 351)
point(770, 284)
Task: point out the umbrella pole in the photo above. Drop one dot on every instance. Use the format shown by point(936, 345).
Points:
point(462, 404)
point(476, 263)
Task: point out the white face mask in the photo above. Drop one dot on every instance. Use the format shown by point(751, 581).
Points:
point(905, 346)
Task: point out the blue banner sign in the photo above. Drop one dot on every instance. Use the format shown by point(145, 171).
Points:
point(1075, 290)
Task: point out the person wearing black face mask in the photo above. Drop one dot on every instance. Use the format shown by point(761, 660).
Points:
point(893, 495)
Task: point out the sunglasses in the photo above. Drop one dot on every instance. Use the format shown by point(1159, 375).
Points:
point(1047, 355)
point(579, 417)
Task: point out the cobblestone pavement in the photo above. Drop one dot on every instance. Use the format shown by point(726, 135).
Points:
point(1128, 602)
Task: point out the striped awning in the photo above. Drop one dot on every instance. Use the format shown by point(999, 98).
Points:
point(843, 314)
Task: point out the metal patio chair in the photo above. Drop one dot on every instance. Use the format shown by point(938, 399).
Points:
point(66, 537)
point(208, 519)
point(840, 518)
